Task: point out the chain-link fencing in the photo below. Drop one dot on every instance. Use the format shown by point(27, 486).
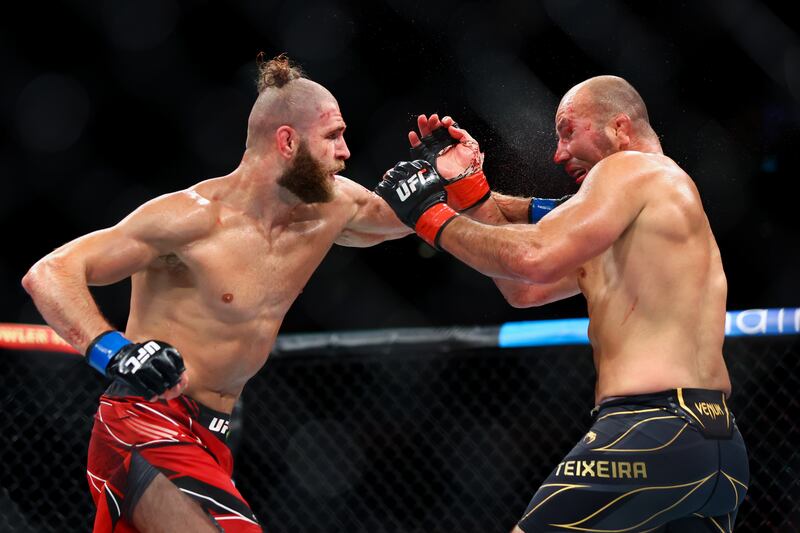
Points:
point(398, 440)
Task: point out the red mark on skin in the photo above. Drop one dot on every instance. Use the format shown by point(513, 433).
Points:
point(219, 221)
point(227, 297)
point(582, 272)
point(75, 337)
point(328, 113)
point(633, 306)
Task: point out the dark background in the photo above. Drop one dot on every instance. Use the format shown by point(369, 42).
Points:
point(105, 105)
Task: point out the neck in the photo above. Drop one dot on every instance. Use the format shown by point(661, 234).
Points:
point(254, 187)
point(647, 145)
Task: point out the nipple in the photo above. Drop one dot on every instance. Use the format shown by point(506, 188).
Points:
point(227, 297)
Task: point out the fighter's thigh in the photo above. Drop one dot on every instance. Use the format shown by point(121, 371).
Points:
point(164, 508)
point(198, 476)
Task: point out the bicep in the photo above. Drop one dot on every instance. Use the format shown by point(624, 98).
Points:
point(103, 257)
point(158, 227)
point(373, 221)
point(111, 255)
point(589, 223)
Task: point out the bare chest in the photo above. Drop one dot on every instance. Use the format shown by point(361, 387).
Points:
point(246, 272)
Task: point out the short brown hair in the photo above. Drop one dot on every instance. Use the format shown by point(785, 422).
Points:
point(276, 72)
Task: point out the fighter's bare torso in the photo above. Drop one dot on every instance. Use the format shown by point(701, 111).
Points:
point(221, 298)
point(656, 297)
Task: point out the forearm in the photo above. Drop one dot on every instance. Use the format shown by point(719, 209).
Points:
point(355, 239)
point(512, 251)
point(512, 208)
point(501, 209)
point(61, 294)
point(488, 212)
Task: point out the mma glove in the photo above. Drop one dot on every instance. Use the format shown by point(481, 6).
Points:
point(150, 368)
point(416, 193)
point(539, 207)
point(463, 192)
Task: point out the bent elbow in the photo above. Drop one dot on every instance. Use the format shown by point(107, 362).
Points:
point(39, 274)
point(31, 279)
point(537, 267)
point(515, 299)
point(519, 301)
point(526, 297)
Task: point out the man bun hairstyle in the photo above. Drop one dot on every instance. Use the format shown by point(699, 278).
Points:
point(276, 72)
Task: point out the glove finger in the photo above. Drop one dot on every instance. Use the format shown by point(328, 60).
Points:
point(176, 359)
point(147, 381)
point(169, 375)
point(422, 164)
point(383, 188)
point(401, 168)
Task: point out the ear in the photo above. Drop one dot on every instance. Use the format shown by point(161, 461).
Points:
point(287, 140)
point(623, 130)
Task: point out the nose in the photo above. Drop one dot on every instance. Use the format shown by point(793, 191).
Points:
point(561, 155)
point(342, 152)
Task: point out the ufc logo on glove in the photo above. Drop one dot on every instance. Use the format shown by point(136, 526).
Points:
point(405, 188)
point(144, 354)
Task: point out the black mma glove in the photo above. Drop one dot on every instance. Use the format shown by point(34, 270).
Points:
point(150, 368)
point(415, 192)
point(431, 146)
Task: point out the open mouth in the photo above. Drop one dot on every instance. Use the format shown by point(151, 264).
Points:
point(577, 173)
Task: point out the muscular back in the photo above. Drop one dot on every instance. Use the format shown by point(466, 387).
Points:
point(656, 297)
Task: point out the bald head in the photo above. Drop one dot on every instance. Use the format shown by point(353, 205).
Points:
point(285, 97)
point(604, 97)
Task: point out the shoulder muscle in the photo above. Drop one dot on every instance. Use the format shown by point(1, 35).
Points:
point(170, 221)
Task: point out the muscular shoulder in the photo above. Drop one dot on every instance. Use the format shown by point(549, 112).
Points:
point(667, 195)
point(639, 174)
point(173, 218)
point(347, 189)
point(349, 195)
point(634, 166)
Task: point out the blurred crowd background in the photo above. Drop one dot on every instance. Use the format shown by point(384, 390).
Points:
point(105, 105)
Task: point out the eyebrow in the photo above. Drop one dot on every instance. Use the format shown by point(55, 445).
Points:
point(341, 127)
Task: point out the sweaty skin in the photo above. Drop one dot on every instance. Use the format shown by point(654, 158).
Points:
point(215, 267)
point(634, 240)
point(222, 298)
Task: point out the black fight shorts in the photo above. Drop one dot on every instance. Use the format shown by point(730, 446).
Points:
point(670, 461)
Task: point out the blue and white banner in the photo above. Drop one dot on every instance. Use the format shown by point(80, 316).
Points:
point(751, 322)
point(781, 321)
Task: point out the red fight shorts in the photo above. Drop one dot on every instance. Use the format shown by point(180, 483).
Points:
point(133, 440)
